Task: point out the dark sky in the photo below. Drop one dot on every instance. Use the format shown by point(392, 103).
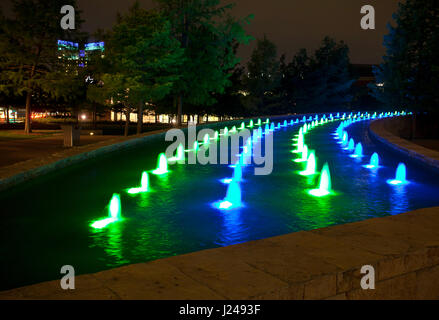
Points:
point(291, 24)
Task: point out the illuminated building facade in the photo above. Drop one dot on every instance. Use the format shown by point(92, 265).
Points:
point(72, 57)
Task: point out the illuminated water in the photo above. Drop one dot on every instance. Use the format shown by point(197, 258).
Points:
point(310, 165)
point(324, 187)
point(162, 165)
point(358, 153)
point(144, 183)
point(374, 161)
point(400, 176)
point(41, 234)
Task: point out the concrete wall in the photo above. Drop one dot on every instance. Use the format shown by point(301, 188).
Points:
point(386, 131)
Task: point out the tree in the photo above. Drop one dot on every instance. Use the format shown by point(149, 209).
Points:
point(143, 62)
point(320, 82)
point(28, 50)
point(332, 59)
point(409, 75)
point(263, 77)
point(207, 34)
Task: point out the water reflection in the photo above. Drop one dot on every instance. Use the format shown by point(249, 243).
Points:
point(399, 199)
point(232, 228)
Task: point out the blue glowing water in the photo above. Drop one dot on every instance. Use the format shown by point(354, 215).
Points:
point(176, 215)
point(375, 160)
point(351, 145)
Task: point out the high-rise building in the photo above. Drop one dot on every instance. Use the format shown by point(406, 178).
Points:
point(72, 57)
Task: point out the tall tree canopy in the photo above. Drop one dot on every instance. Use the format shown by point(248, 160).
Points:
point(143, 62)
point(263, 77)
point(319, 82)
point(409, 75)
point(28, 50)
point(207, 33)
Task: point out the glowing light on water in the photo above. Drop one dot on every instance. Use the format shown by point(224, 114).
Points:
point(278, 126)
point(233, 130)
point(259, 133)
point(179, 156)
point(351, 145)
point(259, 122)
point(344, 141)
point(304, 154)
point(242, 127)
point(401, 175)
point(162, 165)
point(291, 122)
point(310, 165)
point(196, 146)
point(251, 125)
point(272, 127)
point(374, 162)
point(226, 131)
point(144, 183)
point(232, 199)
point(216, 135)
point(206, 139)
point(304, 119)
point(285, 123)
point(114, 213)
point(324, 185)
point(358, 153)
point(237, 173)
point(300, 144)
point(305, 129)
point(267, 128)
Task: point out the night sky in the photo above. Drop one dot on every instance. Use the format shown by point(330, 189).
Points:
point(291, 24)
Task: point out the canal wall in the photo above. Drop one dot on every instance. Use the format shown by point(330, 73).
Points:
point(318, 264)
point(389, 132)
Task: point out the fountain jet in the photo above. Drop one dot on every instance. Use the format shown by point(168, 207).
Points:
point(162, 165)
point(304, 155)
point(310, 165)
point(232, 199)
point(401, 175)
point(358, 153)
point(374, 162)
point(114, 213)
point(351, 145)
point(325, 183)
point(144, 182)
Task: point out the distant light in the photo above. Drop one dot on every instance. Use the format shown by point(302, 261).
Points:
point(83, 117)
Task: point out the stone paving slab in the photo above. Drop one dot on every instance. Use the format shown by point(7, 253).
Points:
point(318, 264)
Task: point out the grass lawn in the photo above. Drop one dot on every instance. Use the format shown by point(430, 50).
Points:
point(6, 135)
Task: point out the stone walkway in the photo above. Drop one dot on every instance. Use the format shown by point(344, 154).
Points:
point(318, 264)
